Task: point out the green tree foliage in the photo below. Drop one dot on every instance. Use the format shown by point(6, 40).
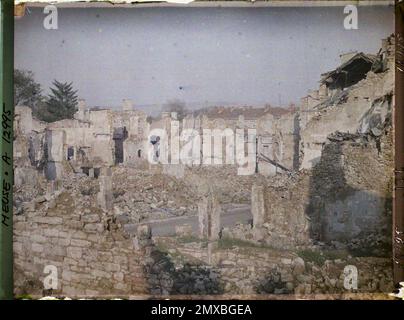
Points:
point(61, 103)
point(27, 92)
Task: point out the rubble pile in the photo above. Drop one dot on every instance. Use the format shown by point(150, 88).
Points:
point(147, 195)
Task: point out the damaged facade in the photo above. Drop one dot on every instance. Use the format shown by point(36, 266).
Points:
point(343, 187)
point(351, 99)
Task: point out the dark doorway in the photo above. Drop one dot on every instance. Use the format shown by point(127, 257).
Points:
point(120, 134)
point(70, 153)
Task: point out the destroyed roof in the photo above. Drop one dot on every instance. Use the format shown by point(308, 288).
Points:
point(347, 66)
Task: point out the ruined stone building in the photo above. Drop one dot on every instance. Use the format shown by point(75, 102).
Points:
point(86, 194)
point(93, 139)
point(354, 98)
point(343, 189)
point(167, 132)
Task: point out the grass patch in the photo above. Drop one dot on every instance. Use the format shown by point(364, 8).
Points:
point(228, 243)
point(382, 250)
point(176, 255)
point(162, 247)
point(189, 239)
point(319, 257)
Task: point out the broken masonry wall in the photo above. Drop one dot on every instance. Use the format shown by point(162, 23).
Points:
point(345, 197)
point(345, 117)
point(28, 148)
point(258, 210)
point(22, 132)
point(91, 132)
point(23, 122)
point(21, 151)
point(347, 113)
point(266, 134)
point(55, 153)
point(75, 132)
point(94, 134)
point(101, 143)
point(135, 147)
point(351, 191)
point(105, 196)
point(277, 142)
point(135, 151)
point(93, 256)
point(133, 120)
point(343, 191)
point(81, 113)
point(286, 224)
point(209, 211)
point(28, 158)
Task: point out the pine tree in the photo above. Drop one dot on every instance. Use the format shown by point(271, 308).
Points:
point(61, 103)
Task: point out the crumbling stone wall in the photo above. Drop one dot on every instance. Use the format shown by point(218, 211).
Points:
point(348, 110)
point(351, 189)
point(346, 197)
point(92, 254)
point(343, 191)
point(55, 153)
point(286, 223)
point(277, 139)
point(239, 268)
point(209, 211)
point(87, 141)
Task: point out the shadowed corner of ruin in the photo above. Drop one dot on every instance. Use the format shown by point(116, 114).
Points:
point(341, 212)
point(164, 279)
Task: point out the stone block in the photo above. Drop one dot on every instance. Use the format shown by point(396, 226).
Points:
point(80, 243)
point(105, 197)
point(209, 211)
point(37, 248)
point(90, 218)
point(74, 252)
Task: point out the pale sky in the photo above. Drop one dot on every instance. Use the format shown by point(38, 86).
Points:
point(202, 56)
